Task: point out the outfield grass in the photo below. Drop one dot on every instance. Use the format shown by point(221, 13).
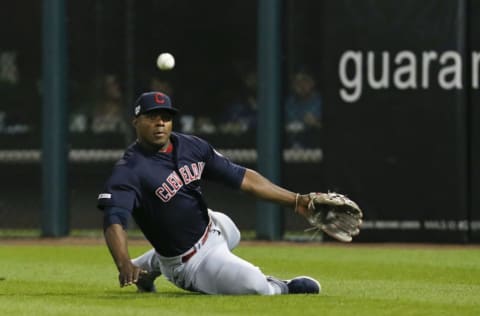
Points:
point(356, 280)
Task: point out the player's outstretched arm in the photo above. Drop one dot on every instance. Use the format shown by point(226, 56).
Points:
point(116, 239)
point(332, 213)
point(256, 184)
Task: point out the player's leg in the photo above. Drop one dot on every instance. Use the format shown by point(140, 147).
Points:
point(218, 271)
point(228, 228)
point(222, 272)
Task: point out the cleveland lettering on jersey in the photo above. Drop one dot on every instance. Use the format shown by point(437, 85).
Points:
point(174, 183)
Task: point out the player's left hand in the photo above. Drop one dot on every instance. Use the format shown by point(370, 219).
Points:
point(333, 213)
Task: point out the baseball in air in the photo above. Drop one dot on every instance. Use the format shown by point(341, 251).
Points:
point(165, 61)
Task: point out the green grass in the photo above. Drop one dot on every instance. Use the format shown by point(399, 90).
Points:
point(356, 280)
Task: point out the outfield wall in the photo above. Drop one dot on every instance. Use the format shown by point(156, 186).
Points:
point(399, 82)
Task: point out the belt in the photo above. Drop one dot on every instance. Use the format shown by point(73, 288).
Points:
point(194, 249)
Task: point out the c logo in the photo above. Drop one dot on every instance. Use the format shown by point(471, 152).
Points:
point(159, 98)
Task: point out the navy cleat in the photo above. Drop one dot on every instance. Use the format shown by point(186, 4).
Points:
point(145, 282)
point(303, 285)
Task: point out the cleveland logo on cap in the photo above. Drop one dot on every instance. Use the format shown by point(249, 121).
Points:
point(150, 101)
point(159, 98)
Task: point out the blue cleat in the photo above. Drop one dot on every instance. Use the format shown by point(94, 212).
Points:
point(303, 285)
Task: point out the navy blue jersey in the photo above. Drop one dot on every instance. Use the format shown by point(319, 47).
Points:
point(162, 190)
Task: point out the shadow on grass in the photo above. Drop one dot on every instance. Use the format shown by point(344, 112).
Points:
point(107, 295)
point(160, 294)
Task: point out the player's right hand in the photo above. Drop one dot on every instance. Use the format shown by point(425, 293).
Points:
point(128, 273)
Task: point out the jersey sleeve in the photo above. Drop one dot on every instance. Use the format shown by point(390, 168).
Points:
point(219, 168)
point(121, 190)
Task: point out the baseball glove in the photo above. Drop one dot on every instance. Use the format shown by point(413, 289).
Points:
point(335, 215)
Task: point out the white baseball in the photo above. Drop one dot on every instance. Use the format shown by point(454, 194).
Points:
point(165, 61)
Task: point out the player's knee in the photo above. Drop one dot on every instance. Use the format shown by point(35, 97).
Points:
point(230, 231)
point(233, 238)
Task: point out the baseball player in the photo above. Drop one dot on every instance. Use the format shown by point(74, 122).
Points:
point(157, 182)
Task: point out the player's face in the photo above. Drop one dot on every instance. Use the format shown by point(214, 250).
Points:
point(154, 128)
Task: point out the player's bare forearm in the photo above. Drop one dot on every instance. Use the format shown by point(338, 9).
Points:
point(256, 184)
point(116, 239)
point(261, 187)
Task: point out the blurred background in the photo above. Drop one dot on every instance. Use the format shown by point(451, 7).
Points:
point(377, 99)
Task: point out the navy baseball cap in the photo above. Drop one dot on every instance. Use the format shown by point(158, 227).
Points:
point(150, 101)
